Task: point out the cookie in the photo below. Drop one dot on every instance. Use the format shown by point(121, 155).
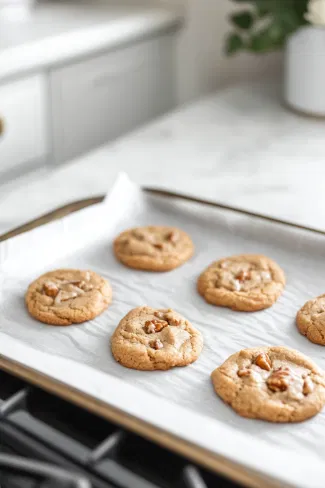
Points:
point(310, 320)
point(277, 384)
point(248, 282)
point(151, 339)
point(68, 296)
point(153, 248)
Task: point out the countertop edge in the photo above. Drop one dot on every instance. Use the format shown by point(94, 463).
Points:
point(77, 44)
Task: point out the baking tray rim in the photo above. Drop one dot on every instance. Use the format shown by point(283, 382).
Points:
point(211, 460)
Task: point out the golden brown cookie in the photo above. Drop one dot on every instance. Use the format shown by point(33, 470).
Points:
point(310, 320)
point(277, 384)
point(153, 248)
point(151, 339)
point(248, 282)
point(68, 296)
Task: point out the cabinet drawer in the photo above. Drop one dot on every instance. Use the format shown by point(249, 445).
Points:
point(99, 99)
point(23, 125)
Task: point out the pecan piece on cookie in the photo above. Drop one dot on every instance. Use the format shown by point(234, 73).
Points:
point(279, 380)
point(152, 326)
point(263, 361)
point(158, 245)
point(50, 289)
point(308, 386)
point(173, 321)
point(242, 373)
point(156, 344)
point(173, 237)
point(84, 286)
point(243, 275)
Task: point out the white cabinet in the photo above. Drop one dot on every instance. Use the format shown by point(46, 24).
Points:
point(64, 111)
point(23, 136)
point(96, 100)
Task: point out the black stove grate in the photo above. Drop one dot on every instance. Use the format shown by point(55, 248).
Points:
point(60, 445)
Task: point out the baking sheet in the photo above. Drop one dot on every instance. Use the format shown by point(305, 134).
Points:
point(181, 400)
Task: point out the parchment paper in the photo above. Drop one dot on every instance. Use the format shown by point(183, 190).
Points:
point(181, 400)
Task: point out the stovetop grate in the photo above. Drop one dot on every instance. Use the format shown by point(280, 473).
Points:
point(81, 449)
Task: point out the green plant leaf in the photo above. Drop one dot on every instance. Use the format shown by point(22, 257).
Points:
point(234, 43)
point(270, 38)
point(300, 7)
point(283, 17)
point(288, 19)
point(243, 20)
point(262, 11)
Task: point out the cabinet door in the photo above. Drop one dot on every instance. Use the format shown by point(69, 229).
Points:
point(23, 136)
point(99, 99)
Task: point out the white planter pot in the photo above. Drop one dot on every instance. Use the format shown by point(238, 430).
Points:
point(304, 87)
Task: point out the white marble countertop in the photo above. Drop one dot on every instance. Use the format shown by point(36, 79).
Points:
point(238, 146)
point(54, 32)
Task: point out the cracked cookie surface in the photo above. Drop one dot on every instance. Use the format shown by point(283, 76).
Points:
point(155, 339)
point(153, 248)
point(68, 296)
point(310, 320)
point(277, 384)
point(247, 282)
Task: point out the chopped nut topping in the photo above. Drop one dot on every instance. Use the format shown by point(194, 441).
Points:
point(149, 327)
point(173, 321)
point(156, 344)
point(243, 373)
point(243, 275)
point(158, 245)
point(308, 386)
point(84, 286)
point(224, 265)
point(50, 289)
point(173, 237)
point(279, 380)
point(167, 317)
point(152, 326)
point(263, 361)
point(67, 289)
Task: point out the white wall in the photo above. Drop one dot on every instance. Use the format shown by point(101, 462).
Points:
point(201, 63)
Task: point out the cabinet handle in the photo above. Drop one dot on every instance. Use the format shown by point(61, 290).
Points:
point(2, 126)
